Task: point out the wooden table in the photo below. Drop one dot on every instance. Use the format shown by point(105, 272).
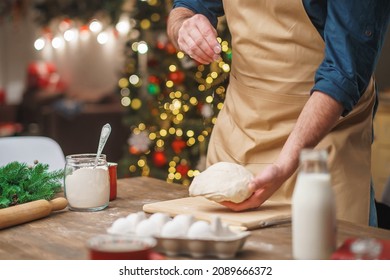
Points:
point(63, 235)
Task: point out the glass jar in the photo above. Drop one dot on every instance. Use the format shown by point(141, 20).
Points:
point(313, 208)
point(86, 183)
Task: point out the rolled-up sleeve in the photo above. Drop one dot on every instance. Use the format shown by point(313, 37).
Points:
point(210, 9)
point(354, 32)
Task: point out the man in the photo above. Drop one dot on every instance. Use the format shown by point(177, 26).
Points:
point(301, 77)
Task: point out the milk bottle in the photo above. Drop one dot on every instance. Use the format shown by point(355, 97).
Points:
point(313, 208)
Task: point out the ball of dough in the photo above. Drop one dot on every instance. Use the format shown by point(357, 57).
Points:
point(223, 181)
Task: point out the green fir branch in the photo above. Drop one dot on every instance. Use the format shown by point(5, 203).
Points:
point(20, 183)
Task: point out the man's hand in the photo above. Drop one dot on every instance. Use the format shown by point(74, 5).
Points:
point(263, 186)
point(194, 35)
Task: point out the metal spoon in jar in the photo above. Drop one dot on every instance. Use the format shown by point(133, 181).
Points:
point(106, 130)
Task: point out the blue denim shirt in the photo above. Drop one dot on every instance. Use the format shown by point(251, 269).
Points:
point(353, 31)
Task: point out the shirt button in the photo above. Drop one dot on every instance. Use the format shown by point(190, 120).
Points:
point(368, 33)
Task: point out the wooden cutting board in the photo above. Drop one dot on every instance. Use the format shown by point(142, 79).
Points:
point(270, 213)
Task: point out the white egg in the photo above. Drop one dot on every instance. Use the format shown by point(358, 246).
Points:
point(159, 219)
point(186, 220)
point(146, 228)
point(219, 229)
point(121, 225)
point(173, 229)
point(200, 229)
point(134, 219)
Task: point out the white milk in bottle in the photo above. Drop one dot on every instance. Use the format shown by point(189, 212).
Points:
point(313, 208)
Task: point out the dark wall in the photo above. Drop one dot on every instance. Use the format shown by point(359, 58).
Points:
point(383, 67)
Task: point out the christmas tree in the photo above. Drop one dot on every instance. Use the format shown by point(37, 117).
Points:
point(171, 100)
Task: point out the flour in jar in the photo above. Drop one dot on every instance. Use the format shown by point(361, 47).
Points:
point(87, 187)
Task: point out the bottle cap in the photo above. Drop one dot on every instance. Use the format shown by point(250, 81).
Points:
point(313, 155)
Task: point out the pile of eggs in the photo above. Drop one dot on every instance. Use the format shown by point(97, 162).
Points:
point(162, 225)
point(183, 234)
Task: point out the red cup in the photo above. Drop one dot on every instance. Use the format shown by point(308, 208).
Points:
point(121, 247)
point(112, 170)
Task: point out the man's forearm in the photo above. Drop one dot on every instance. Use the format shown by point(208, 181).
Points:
point(317, 118)
point(175, 20)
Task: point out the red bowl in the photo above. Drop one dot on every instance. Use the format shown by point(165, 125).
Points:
point(120, 247)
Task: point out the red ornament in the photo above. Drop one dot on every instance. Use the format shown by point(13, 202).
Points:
point(133, 150)
point(44, 75)
point(177, 77)
point(178, 145)
point(159, 159)
point(160, 45)
point(170, 48)
point(154, 79)
point(182, 169)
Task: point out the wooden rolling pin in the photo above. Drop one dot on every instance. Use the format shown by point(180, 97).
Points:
point(30, 211)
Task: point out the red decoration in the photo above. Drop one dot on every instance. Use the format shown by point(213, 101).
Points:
point(160, 45)
point(133, 150)
point(178, 145)
point(154, 79)
point(84, 28)
point(44, 75)
point(182, 169)
point(170, 48)
point(65, 24)
point(47, 33)
point(2, 96)
point(159, 159)
point(177, 77)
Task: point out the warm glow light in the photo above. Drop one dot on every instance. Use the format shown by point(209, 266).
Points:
point(193, 101)
point(142, 47)
point(95, 26)
point(163, 116)
point(145, 24)
point(226, 68)
point(123, 26)
point(163, 132)
point(57, 42)
point(102, 38)
point(209, 99)
point(191, 142)
point(125, 92)
point(69, 35)
point(209, 80)
point(123, 83)
point(134, 79)
point(136, 104)
point(176, 104)
point(39, 44)
point(125, 101)
point(179, 132)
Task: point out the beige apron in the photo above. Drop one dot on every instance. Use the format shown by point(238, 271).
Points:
point(276, 51)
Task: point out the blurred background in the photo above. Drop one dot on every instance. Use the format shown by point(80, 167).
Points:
point(68, 67)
